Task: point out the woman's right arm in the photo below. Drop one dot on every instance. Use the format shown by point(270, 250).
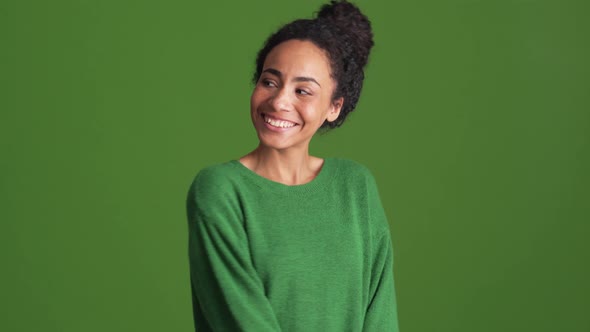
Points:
point(227, 293)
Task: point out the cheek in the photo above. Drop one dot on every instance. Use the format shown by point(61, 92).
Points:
point(310, 115)
point(256, 98)
point(314, 110)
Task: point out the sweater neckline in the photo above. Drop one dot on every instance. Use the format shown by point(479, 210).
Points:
point(326, 173)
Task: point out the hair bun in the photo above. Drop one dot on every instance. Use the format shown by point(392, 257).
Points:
point(348, 19)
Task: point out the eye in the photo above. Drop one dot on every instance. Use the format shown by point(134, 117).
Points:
point(302, 92)
point(268, 83)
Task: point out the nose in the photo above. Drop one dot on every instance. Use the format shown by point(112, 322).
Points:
point(280, 100)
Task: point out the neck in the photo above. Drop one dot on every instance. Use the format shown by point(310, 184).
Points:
point(290, 167)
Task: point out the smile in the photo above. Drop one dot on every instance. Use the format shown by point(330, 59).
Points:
point(278, 123)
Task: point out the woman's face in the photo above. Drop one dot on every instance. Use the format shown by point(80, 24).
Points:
point(293, 96)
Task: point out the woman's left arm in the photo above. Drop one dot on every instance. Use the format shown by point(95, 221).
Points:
point(381, 313)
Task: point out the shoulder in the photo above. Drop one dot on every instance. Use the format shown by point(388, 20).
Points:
point(359, 182)
point(354, 170)
point(215, 175)
point(214, 181)
point(214, 193)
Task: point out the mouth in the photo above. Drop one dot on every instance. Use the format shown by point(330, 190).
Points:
point(277, 123)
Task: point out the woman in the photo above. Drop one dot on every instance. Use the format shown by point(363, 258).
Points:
point(280, 240)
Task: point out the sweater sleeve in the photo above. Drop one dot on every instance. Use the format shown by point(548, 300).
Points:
point(227, 293)
point(381, 312)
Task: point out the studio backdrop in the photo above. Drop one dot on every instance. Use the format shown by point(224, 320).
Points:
point(474, 119)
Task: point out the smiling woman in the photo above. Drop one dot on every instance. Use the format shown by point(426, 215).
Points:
point(289, 104)
point(280, 240)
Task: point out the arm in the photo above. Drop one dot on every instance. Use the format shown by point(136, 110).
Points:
point(227, 293)
point(381, 314)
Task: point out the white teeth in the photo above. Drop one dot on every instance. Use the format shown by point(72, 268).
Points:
point(278, 123)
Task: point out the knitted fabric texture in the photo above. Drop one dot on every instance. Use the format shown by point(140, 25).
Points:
point(265, 256)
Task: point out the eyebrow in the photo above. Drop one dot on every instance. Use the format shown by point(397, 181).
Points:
point(296, 79)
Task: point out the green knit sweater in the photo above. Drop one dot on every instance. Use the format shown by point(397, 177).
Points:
point(265, 256)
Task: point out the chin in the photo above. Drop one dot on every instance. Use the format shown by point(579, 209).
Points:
point(273, 143)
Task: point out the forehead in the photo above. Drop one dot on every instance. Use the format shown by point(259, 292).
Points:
point(299, 58)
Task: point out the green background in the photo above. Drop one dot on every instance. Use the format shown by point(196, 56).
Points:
point(475, 120)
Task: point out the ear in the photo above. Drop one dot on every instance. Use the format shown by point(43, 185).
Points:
point(334, 110)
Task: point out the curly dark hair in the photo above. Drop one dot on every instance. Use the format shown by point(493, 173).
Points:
point(344, 33)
